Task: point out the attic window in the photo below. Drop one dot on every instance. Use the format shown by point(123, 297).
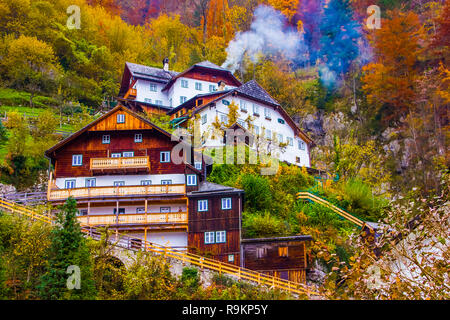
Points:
point(120, 118)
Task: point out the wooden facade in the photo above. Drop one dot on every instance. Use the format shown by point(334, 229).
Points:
point(215, 219)
point(283, 257)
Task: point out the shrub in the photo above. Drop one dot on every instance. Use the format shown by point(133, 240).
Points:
point(258, 225)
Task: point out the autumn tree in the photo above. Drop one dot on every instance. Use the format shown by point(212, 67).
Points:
point(389, 80)
point(31, 66)
point(287, 7)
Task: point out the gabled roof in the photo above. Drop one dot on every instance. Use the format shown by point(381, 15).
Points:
point(150, 73)
point(254, 90)
point(204, 65)
point(206, 187)
point(94, 123)
point(208, 64)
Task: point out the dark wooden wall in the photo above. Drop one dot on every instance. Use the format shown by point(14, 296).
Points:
point(90, 145)
point(211, 76)
point(272, 262)
point(215, 219)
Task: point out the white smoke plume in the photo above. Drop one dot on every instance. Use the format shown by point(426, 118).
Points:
point(268, 35)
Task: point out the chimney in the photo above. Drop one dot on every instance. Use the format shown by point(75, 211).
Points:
point(221, 85)
point(166, 64)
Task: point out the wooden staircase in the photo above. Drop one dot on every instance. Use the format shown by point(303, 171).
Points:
point(129, 243)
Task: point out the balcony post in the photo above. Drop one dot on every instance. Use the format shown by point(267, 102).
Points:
point(145, 236)
point(146, 210)
point(117, 211)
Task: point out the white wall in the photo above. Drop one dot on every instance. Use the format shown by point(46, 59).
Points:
point(143, 92)
point(291, 152)
point(130, 180)
point(168, 239)
point(176, 90)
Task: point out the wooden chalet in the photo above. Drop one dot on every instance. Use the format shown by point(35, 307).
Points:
point(283, 257)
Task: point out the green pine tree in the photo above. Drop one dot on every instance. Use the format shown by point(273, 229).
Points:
point(68, 248)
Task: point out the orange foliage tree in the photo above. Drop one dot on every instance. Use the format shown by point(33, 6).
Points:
point(389, 80)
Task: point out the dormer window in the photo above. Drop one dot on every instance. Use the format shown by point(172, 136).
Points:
point(120, 118)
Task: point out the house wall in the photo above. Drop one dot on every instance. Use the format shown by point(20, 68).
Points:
point(292, 267)
point(130, 180)
point(291, 152)
point(215, 219)
point(143, 92)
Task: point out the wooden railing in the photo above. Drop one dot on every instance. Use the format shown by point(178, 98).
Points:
point(140, 218)
point(131, 93)
point(310, 196)
point(120, 163)
point(130, 243)
point(61, 194)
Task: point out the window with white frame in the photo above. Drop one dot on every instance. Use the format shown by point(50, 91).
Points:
point(106, 138)
point(138, 137)
point(148, 100)
point(153, 87)
point(221, 236)
point(204, 118)
point(70, 184)
point(198, 86)
point(256, 110)
point(120, 118)
point(166, 181)
point(202, 205)
point(77, 160)
point(198, 165)
point(301, 145)
point(243, 105)
point(257, 130)
point(226, 203)
point(146, 182)
point(183, 99)
point(119, 183)
point(164, 156)
point(212, 88)
point(209, 237)
point(290, 141)
point(128, 154)
point(116, 155)
point(158, 102)
point(267, 113)
point(184, 83)
point(268, 134)
point(191, 180)
point(90, 182)
point(224, 118)
point(280, 138)
point(231, 258)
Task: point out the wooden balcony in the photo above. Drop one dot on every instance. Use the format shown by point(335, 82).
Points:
point(133, 219)
point(101, 165)
point(119, 191)
point(131, 93)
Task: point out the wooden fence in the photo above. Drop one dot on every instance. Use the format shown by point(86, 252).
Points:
point(138, 244)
